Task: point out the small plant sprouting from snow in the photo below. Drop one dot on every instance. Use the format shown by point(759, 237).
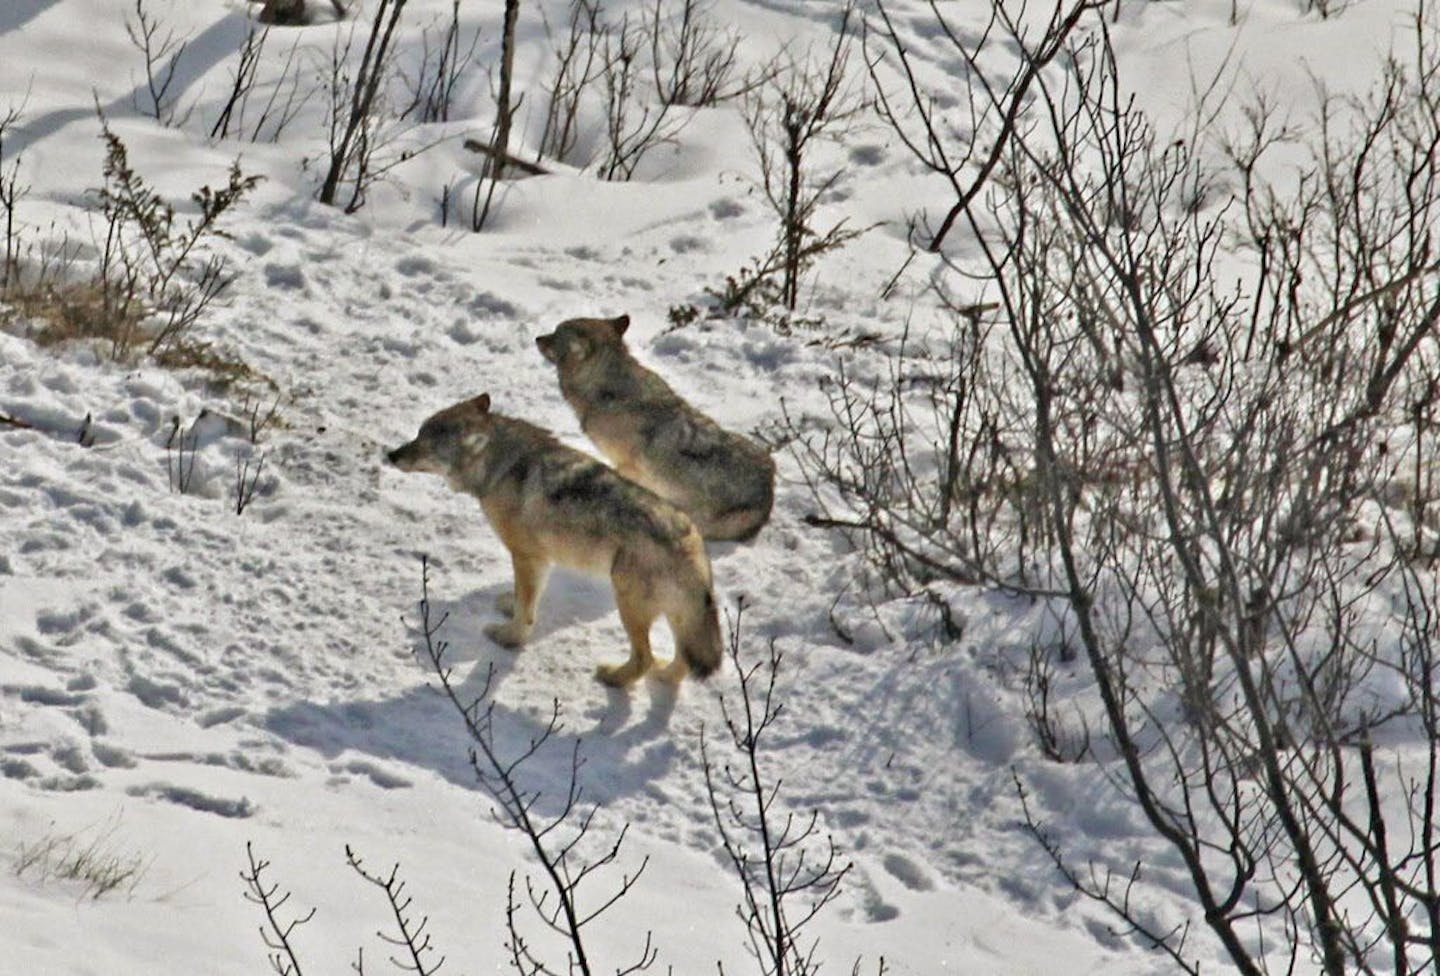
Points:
point(90, 860)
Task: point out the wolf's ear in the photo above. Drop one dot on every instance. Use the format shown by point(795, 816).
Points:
point(620, 324)
point(481, 403)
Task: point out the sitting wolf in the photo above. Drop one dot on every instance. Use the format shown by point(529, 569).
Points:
point(552, 504)
point(724, 481)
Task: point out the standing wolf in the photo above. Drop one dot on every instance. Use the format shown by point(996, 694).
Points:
point(724, 481)
point(552, 504)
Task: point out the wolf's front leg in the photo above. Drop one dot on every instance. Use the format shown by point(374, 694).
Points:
point(529, 581)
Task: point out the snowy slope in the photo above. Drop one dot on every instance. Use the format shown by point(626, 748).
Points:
point(177, 679)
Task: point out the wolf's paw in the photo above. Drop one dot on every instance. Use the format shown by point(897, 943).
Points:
point(617, 675)
point(505, 603)
point(673, 673)
point(510, 634)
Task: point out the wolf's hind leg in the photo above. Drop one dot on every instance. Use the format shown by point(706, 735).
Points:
point(674, 672)
point(529, 582)
point(637, 615)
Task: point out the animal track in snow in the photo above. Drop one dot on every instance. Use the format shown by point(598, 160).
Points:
point(26, 762)
point(196, 800)
point(220, 716)
point(256, 244)
point(492, 306)
point(156, 694)
point(417, 265)
point(112, 757)
point(39, 695)
point(908, 872)
point(377, 774)
point(239, 760)
point(877, 909)
point(291, 276)
point(867, 155)
point(15, 768)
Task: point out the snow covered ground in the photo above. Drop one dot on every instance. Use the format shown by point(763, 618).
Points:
point(177, 680)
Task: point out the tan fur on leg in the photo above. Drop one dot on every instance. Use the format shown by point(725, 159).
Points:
point(637, 615)
point(529, 581)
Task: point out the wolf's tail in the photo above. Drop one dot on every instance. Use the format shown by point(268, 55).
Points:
point(700, 643)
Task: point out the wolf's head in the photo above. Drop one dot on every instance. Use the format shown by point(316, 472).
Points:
point(447, 438)
point(576, 340)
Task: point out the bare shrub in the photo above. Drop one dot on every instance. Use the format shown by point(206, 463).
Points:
point(162, 56)
point(279, 928)
point(1197, 471)
point(575, 69)
point(926, 465)
point(180, 447)
point(11, 193)
point(1058, 739)
point(282, 104)
point(634, 126)
point(788, 870)
point(1419, 483)
point(259, 417)
point(248, 468)
point(693, 59)
point(801, 105)
point(644, 74)
point(359, 135)
point(242, 81)
point(278, 932)
point(156, 276)
point(562, 896)
point(791, 108)
point(1325, 8)
point(413, 941)
point(432, 88)
point(46, 287)
point(967, 157)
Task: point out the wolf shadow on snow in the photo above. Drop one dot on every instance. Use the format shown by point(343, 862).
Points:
point(417, 725)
